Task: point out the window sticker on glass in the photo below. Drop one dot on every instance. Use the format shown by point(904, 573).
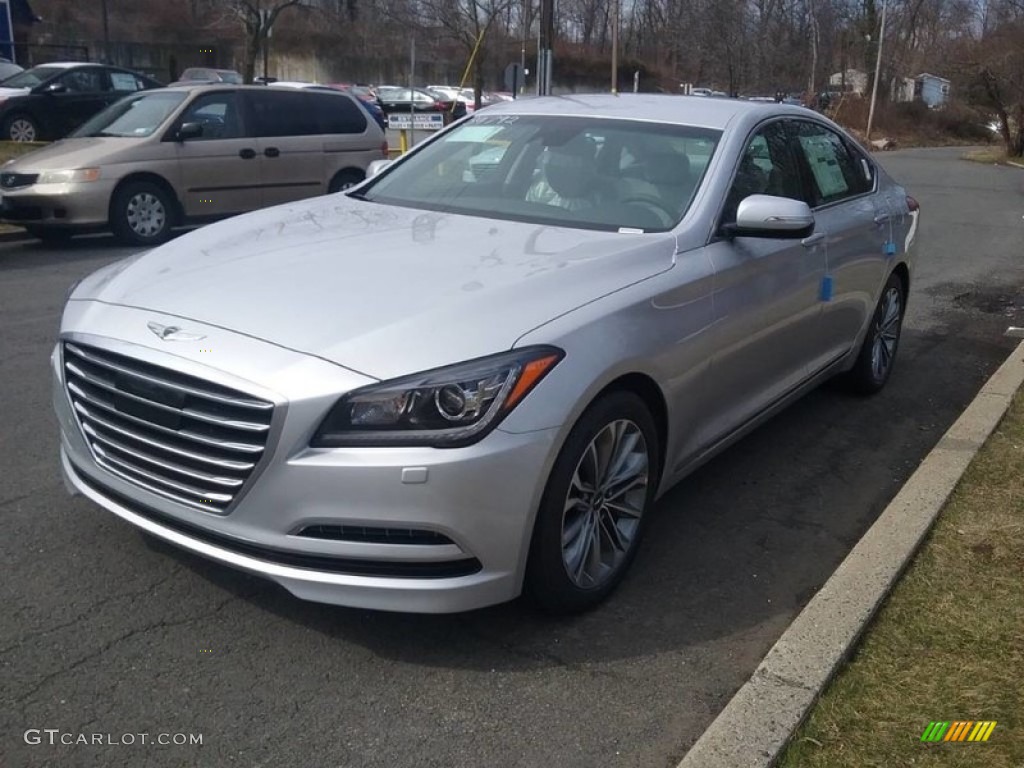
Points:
point(821, 154)
point(122, 81)
point(473, 134)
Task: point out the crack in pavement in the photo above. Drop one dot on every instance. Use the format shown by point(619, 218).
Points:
point(162, 624)
point(90, 609)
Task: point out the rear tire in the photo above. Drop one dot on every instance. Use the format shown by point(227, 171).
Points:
point(878, 352)
point(142, 213)
point(344, 179)
point(595, 506)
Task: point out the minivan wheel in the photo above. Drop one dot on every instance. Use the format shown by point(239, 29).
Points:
point(21, 128)
point(595, 505)
point(345, 179)
point(878, 353)
point(142, 213)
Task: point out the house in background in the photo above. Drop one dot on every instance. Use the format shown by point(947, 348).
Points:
point(852, 81)
point(931, 89)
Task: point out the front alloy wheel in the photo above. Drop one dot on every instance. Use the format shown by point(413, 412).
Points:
point(593, 511)
point(604, 504)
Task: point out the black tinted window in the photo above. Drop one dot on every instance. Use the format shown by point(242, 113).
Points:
point(767, 167)
point(834, 173)
point(218, 114)
point(283, 113)
point(88, 80)
point(338, 114)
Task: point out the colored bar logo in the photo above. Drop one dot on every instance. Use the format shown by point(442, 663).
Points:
point(959, 730)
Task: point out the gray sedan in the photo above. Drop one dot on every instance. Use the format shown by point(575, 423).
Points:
point(477, 371)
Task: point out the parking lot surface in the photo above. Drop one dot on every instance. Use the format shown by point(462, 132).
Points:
point(104, 631)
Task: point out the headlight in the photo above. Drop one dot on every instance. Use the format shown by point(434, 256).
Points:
point(68, 177)
point(444, 408)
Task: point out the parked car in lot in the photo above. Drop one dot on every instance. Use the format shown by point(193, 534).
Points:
point(444, 385)
point(47, 102)
point(418, 100)
point(368, 98)
point(8, 69)
point(194, 75)
point(167, 157)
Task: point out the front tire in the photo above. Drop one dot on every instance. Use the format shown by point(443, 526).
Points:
point(142, 213)
point(594, 508)
point(878, 353)
point(21, 128)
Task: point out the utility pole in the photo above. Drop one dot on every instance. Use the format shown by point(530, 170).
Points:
point(547, 38)
point(522, 57)
point(615, 46)
point(106, 33)
point(878, 69)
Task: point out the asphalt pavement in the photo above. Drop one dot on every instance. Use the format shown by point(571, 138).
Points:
point(106, 632)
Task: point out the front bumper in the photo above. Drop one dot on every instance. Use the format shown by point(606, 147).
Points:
point(478, 500)
point(80, 205)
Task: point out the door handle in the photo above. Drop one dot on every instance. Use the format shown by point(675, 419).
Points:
point(271, 151)
point(811, 240)
point(247, 154)
point(882, 218)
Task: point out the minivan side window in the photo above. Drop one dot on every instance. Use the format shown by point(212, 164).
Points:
point(282, 113)
point(218, 113)
point(338, 114)
point(833, 170)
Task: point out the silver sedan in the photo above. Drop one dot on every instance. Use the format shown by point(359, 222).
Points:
point(476, 372)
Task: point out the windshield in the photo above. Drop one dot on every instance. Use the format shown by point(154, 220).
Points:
point(581, 172)
point(30, 78)
point(134, 116)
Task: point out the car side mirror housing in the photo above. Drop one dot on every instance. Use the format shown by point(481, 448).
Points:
point(53, 88)
point(771, 216)
point(376, 167)
point(188, 131)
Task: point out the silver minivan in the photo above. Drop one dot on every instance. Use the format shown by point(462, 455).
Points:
point(172, 156)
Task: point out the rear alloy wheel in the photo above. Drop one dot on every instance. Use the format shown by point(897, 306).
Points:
point(593, 510)
point(878, 354)
point(142, 213)
point(344, 180)
point(21, 128)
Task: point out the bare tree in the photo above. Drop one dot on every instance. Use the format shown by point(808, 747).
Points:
point(257, 18)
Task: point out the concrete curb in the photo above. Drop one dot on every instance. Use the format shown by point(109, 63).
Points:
point(757, 723)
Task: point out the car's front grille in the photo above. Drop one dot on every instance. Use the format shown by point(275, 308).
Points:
point(176, 435)
point(15, 180)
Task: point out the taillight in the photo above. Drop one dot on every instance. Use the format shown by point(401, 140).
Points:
point(912, 204)
point(384, 148)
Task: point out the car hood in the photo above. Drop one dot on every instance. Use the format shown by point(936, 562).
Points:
point(71, 153)
point(379, 289)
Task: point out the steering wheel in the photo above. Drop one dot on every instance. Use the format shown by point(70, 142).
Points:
point(654, 204)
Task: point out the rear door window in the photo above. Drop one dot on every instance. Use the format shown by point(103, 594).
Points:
point(282, 113)
point(834, 174)
point(338, 114)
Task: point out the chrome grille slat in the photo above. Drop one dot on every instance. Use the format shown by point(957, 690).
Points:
point(187, 412)
point(200, 494)
point(224, 482)
point(120, 368)
point(186, 434)
point(241, 466)
point(160, 430)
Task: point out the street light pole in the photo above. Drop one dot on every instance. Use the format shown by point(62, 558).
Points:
point(615, 46)
point(106, 33)
point(878, 70)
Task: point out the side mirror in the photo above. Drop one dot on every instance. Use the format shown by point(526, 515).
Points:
point(376, 167)
point(189, 131)
point(53, 88)
point(770, 216)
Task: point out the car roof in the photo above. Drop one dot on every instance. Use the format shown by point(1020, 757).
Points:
point(67, 64)
point(663, 108)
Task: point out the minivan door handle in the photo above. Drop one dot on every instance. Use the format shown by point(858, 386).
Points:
point(247, 154)
point(271, 151)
